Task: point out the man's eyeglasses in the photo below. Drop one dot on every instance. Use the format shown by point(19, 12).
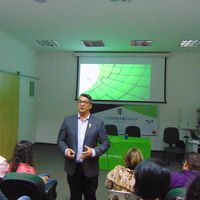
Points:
point(84, 102)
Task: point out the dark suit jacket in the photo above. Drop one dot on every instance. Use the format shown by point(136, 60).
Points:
point(95, 137)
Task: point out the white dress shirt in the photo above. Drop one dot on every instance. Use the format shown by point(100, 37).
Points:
point(82, 126)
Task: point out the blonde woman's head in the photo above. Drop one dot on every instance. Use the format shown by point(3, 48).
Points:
point(133, 157)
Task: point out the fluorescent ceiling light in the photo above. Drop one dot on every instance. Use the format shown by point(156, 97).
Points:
point(40, 1)
point(190, 43)
point(93, 43)
point(121, 0)
point(143, 43)
point(48, 43)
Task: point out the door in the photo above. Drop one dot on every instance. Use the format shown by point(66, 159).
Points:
point(9, 110)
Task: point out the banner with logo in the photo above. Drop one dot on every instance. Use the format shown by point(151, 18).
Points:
point(143, 116)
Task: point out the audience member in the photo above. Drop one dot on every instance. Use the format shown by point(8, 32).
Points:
point(152, 179)
point(22, 161)
point(193, 191)
point(4, 168)
point(122, 178)
point(190, 170)
point(3, 197)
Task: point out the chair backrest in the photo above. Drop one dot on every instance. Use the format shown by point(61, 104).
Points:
point(15, 185)
point(176, 193)
point(133, 131)
point(111, 129)
point(171, 135)
point(120, 195)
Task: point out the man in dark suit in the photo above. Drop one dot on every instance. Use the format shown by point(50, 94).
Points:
point(82, 139)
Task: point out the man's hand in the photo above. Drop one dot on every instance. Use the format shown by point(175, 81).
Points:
point(87, 153)
point(70, 153)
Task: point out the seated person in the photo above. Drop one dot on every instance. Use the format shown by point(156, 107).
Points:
point(193, 190)
point(152, 179)
point(4, 168)
point(190, 170)
point(22, 161)
point(3, 197)
point(122, 178)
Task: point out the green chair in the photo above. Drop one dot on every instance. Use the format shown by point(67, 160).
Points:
point(15, 185)
point(176, 193)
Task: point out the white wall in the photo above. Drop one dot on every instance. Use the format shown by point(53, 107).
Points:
point(17, 57)
point(183, 70)
point(57, 86)
point(56, 93)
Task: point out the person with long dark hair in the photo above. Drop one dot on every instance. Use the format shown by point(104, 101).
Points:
point(22, 159)
point(23, 162)
point(152, 178)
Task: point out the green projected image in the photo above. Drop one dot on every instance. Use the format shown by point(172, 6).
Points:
point(116, 82)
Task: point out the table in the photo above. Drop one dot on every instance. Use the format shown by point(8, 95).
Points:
point(119, 147)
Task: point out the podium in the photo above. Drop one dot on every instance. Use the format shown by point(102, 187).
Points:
point(119, 147)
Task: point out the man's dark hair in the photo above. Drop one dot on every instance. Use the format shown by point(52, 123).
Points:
point(87, 96)
point(152, 179)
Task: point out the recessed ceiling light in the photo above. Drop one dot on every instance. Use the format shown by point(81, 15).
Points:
point(190, 43)
point(121, 0)
point(93, 43)
point(48, 43)
point(143, 43)
point(40, 1)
